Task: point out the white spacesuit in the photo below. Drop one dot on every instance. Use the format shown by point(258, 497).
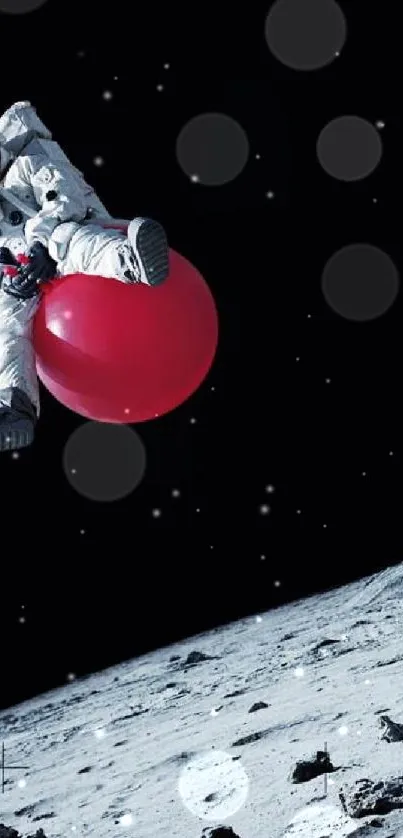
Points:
point(52, 216)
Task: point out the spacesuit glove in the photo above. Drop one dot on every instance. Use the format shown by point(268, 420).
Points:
point(40, 267)
point(18, 286)
point(9, 275)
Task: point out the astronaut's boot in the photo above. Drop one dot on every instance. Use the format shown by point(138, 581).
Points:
point(149, 246)
point(17, 422)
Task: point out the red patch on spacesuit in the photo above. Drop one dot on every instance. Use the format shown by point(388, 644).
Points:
point(9, 270)
point(22, 259)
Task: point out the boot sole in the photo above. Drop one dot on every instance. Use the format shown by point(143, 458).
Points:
point(149, 242)
point(15, 440)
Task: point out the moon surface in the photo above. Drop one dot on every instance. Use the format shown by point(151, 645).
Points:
point(206, 732)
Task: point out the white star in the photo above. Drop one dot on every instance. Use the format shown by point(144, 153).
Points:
point(264, 509)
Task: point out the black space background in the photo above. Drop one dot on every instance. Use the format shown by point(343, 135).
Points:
point(103, 582)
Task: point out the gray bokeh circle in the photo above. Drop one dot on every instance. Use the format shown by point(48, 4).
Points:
point(305, 34)
point(349, 148)
point(212, 149)
point(20, 7)
point(360, 282)
point(104, 462)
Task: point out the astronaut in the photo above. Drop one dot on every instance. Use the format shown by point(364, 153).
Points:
point(52, 224)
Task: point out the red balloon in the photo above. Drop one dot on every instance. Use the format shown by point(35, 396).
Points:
point(126, 353)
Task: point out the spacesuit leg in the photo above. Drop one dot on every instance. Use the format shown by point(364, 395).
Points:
point(19, 388)
point(139, 256)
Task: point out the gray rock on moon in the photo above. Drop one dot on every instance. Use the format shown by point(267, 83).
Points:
point(141, 749)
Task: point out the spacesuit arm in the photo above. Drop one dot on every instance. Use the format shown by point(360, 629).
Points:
point(58, 192)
